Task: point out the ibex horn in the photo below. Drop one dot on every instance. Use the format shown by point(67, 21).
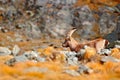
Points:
point(71, 32)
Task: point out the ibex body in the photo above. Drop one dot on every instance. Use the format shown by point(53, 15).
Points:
point(70, 42)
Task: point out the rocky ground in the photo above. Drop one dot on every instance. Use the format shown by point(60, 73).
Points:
point(32, 33)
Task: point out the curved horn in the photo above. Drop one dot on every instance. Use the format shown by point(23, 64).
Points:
point(71, 32)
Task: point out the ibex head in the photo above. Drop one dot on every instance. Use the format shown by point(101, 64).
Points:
point(70, 42)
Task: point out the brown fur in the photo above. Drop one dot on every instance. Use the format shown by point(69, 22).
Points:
point(98, 44)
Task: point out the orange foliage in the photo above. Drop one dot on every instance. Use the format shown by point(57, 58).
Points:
point(95, 4)
point(115, 50)
point(97, 67)
point(117, 68)
point(35, 74)
point(73, 67)
point(48, 51)
point(115, 53)
point(90, 52)
point(109, 66)
point(6, 70)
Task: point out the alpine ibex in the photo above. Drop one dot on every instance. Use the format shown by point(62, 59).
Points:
point(74, 45)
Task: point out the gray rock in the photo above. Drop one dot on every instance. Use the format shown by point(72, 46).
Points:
point(114, 44)
point(41, 2)
point(84, 21)
point(4, 51)
point(110, 8)
point(107, 23)
point(72, 61)
point(84, 69)
point(15, 50)
point(31, 55)
point(72, 72)
point(110, 26)
point(3, 1)
point(111, 37)
point(71, 57)
point(105, 51)
point(32, 31)
point(65, 2)
point(30, 3)
point(12, 61)
point(118, 42)
point(118, 29)
point(19, 26)
point(21, 58)
point(10, 39)
point(80, 54)
point(65, 15)
point(11, 13)
point(57, 28)
point(117, 8)
point(69, 54)
point(18, 37)
point(117, 46)
point(40, 59)
point(56, 19)
point(109, 58)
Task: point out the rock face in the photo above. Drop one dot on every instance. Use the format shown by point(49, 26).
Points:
point(118, 29)
point(84, 21)
point(89, 26)
point(35, 18)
